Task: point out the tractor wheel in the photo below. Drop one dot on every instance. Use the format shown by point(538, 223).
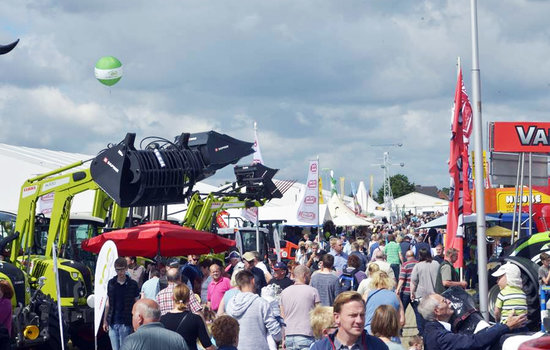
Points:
point(55, 340)
point(529, 277)
point(81, 337)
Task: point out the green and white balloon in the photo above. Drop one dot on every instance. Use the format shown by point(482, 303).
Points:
point(108, 70)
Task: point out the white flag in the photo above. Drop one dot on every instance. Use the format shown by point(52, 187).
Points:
point(58, 293)
point(257, 152)
point(250, 214)
point(104, 271)
point(308, 211)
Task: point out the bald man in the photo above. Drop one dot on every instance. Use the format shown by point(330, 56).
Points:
point(296, 303)
point(150, 334)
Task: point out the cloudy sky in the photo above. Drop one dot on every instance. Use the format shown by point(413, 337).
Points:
point(341, 80)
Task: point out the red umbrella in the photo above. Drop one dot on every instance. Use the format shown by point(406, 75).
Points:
point(160, 238)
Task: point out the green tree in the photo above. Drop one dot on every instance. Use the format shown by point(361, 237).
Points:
point(400, 186)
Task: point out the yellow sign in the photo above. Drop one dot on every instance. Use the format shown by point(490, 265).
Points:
point(505, 199)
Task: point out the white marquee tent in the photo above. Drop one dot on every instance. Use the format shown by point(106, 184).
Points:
point(419, 203)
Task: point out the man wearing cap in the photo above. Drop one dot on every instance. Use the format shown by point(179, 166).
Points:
point(511, 299)
point(296, 302)
point(437, 311)
point(233, 259)
point(259, 278)
point(280, 277)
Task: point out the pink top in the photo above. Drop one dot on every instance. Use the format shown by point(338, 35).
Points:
point(216, 290)
point(5, 313)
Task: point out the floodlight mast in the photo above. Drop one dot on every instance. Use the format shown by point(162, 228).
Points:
point(388, 195)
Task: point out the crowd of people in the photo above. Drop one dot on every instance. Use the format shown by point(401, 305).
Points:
point(342, 291)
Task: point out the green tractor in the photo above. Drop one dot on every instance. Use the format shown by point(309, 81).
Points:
point(34, 236)
point(35, 317)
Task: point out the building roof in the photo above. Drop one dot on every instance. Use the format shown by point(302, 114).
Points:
point(432, 191)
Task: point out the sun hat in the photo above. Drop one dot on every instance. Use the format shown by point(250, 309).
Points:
point(248, 256)
point(512, 272)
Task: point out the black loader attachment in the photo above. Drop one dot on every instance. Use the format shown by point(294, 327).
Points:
point(159, 175)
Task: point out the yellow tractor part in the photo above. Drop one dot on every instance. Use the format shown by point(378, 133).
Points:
point(31, 332)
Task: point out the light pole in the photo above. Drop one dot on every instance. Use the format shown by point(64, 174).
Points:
point(388, 194)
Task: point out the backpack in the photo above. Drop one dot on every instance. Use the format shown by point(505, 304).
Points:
point(348, 281)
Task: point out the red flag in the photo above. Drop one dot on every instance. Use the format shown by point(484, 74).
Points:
point(460, 198)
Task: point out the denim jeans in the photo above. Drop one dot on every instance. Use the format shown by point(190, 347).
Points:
point(406, 300)
point(117, 333)
point(298, 342)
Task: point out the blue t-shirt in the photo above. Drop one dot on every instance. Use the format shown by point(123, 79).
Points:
point(376, 298)
point(192, 272)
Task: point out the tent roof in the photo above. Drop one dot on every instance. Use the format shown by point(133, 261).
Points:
point(442, 221)
point(344, 216)
point(366, 202)
point(420, 199)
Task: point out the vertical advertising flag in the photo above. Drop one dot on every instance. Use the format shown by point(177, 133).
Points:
point(251, 214)
point(257, 157)
point(459, 170)
point(321, 198)
point(58, 293)
point(104, 271)
point(333, 189)
point(342, 186)
point(308, 211)
point(356, 206)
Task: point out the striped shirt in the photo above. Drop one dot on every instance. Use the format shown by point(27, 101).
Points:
point(405, 275)
point(510, 299)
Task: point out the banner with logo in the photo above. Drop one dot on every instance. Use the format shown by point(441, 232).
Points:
point(308, 211)
point(104, 271)
point(519, 137)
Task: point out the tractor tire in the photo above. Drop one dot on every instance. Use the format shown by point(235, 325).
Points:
point(529, 277)
point(55, 340)
point(82, 338)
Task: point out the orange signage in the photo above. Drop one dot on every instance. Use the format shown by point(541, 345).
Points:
point(520, 137)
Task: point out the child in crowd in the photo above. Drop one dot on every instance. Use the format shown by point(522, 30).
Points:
point(322, 321)
point(416, 343)
point(511, 299)
point(544, 270)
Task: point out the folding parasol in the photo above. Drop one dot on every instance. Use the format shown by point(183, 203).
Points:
point(160, 238)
